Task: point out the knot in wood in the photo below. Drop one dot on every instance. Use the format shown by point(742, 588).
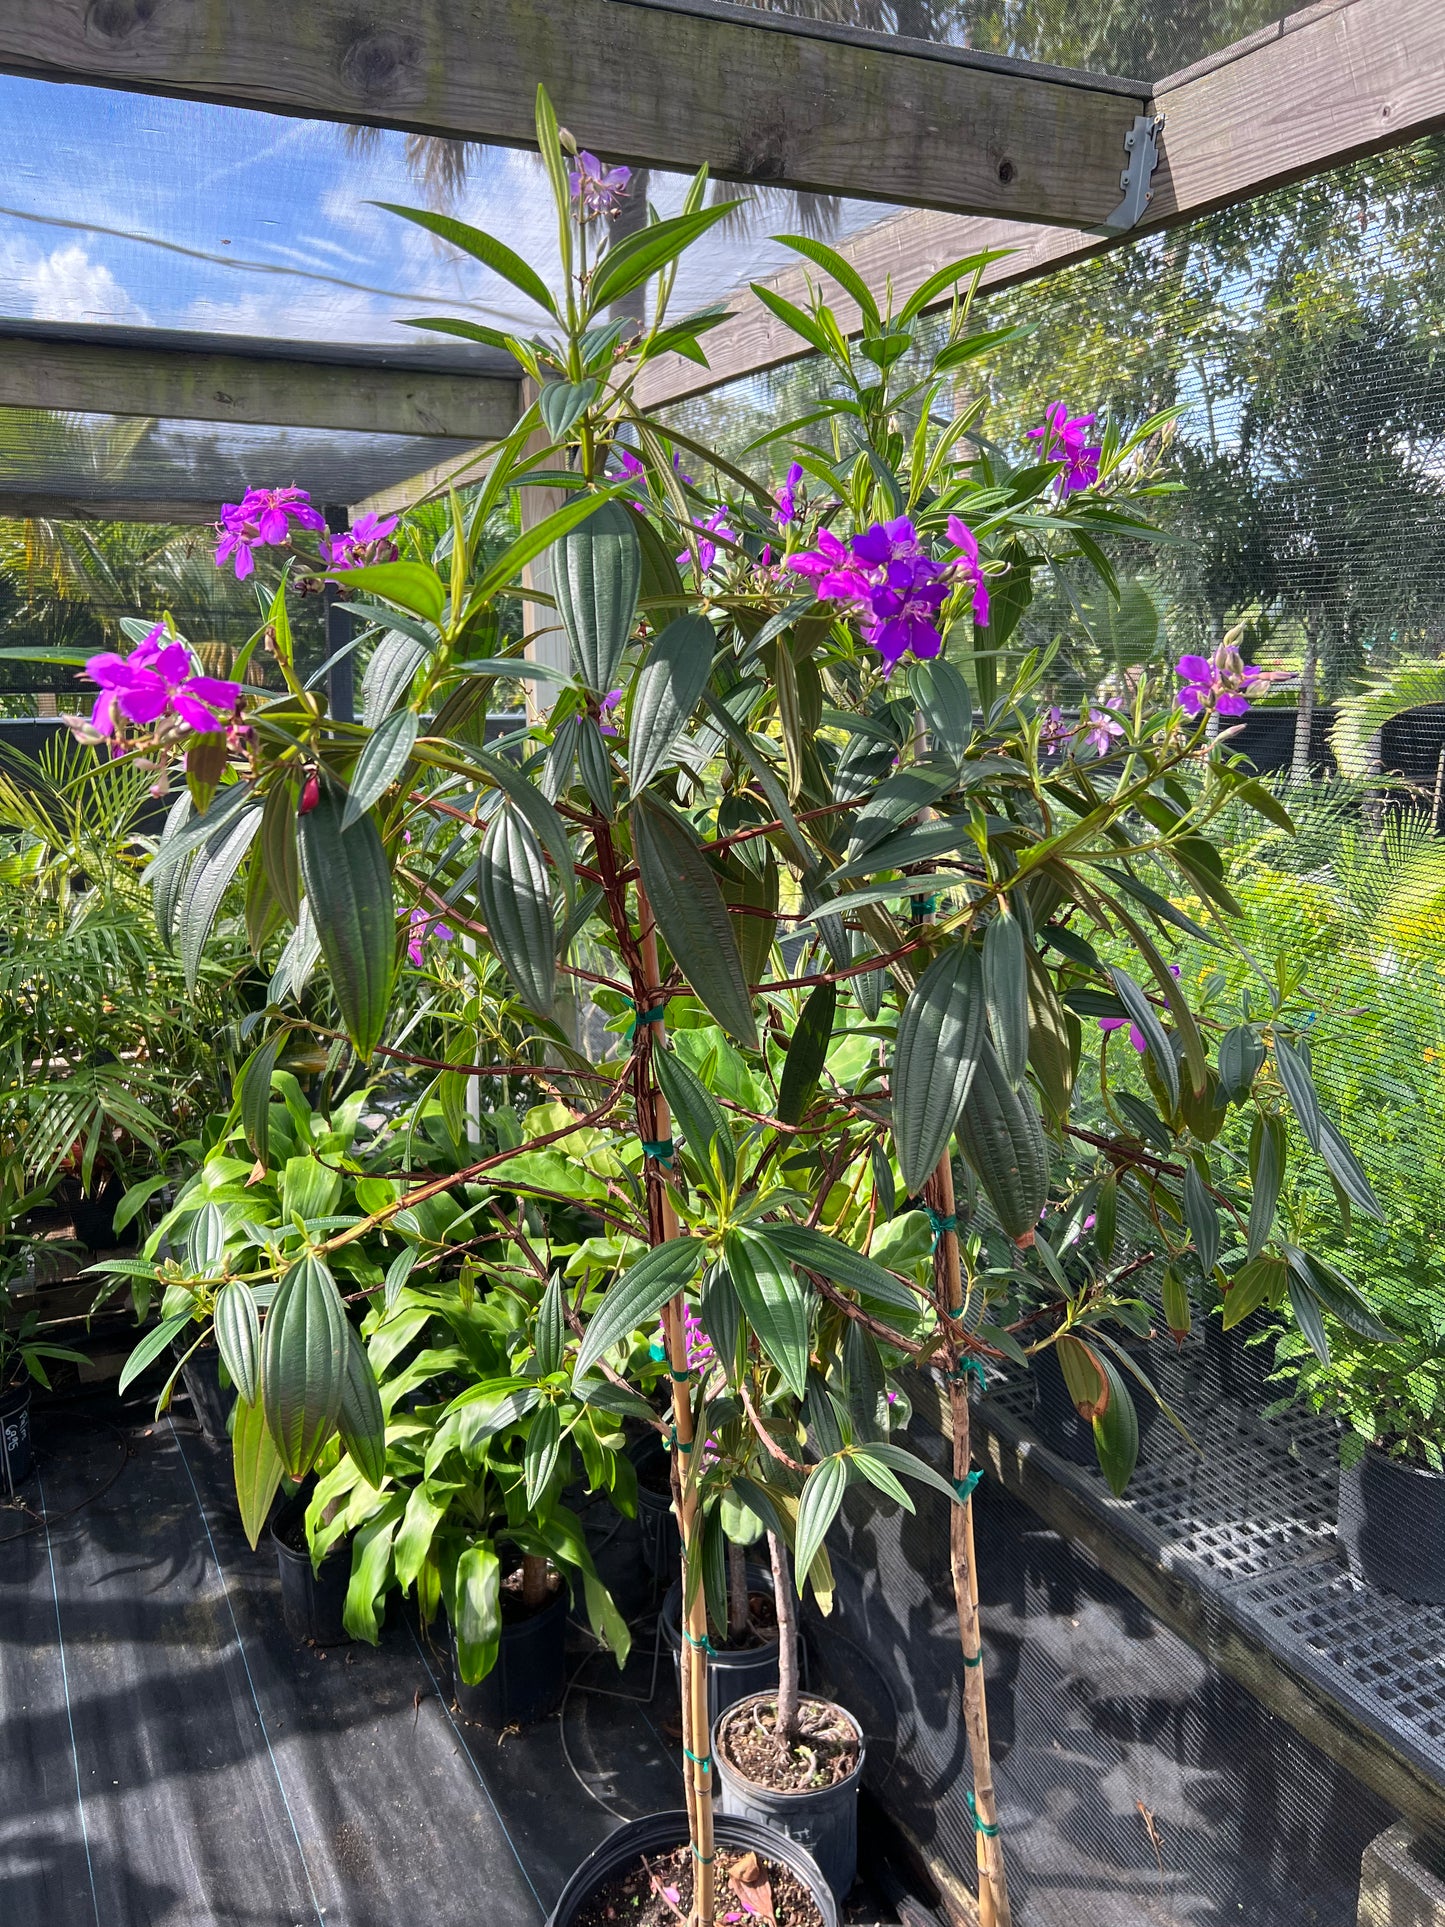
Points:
point(116, 20)
point(377, 62)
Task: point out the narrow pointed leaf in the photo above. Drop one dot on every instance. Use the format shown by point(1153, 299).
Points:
point(1116, 1431)
point(638, 1295)
point(238, 1337)
point(255, 1095)
point(303, 1364)
point(1006, 992)
point(596, 575)
point(359, 1418)
point(482, 247)
point(696, 1112)
point(348, 885)
point(156, 1341)
point(381, 763)
point(544, 1442)
point(1241, 1053)
point(668, 689)
point(1294, 1074)
point(257, 1466)
point(822, 1496)
point(946, 704)
point(1144, 1015)
point(1202, 1217)
point(1347, 1170)
point(1305, 1306)
point(1339, 1297)
point(940, 1035)
point(774, 1304)
point(516, 898)
point(807, 1053)
point(692, 916)
point(206, 883)
point(841, 1265)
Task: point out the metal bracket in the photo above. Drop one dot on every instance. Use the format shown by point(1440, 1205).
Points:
point(1141, 144)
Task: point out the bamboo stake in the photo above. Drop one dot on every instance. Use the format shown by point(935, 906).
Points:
point(696, 1728)
point(993, 1900)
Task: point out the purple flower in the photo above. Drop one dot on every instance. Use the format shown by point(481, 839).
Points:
point(716, 524)
point(1055, 733)
point(424, 925)
point(262, 519)
point(787, 497)
point(365, 541)
point(1136, 1036)
point(609, 702)
point(700, 1353)
point(968, 563)
point(158, 679)
point(596, 188)
point(1099, 732)
point(1218, 682)
point(1062, 437)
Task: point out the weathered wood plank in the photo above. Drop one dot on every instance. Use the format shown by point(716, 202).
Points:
point(105, 378)
point(1327, 85)
point(756, 96)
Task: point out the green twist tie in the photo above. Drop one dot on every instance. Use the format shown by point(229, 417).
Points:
point(678, 1378)
point(703, 1645)
point(703, 1760)
point(969, 1368)
point(662, 1148)
point(656, 1351)
point(921, 907)
point(653, 1016)
point(977, 1660)
point(980, 1826)
point(680, 1445)
point(965, 1487)
point(702, 1859)
point(940, 1223)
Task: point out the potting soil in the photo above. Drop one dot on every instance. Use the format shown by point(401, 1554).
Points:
point(657, 1892)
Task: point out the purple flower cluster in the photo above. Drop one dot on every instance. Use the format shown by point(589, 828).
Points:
point(1063, 441)
point(367, 540)
point(888, 579)
point(700, 1353)
point(425, 924)
point(716, 524)
point(158, 679)
point(596, 188)
point(1216, 682)
point(262, 520)
point(788, 509)
point(1095, 730)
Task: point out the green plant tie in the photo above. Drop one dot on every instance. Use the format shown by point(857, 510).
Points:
point(965, 1487)
point(662, 1148)
point(975, 1659)
point(702, 1760)
point(653, 1016)
point(679, 1445)
point(702, 1859)
point(969, 1368)
point(980, 1826)
point(921, 907)
point(703, 1645)
point(679, 1378)
point(656, 1351)
point(940, 1223)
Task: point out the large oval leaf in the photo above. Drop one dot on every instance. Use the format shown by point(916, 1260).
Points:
point(936, 1054)
point(303, 1367)
point(692, 916)
point(666, 692)
point(636, 1296)
point(774, 1303)
point(238, 1337)
point(516, 898)
point(348, 885)
point(359, 1417)
point(596, 574)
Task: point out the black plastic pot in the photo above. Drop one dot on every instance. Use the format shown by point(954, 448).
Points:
point(731, 1676)
point(1392, 1527)
point(824, 1821)
point(311, 1602)
point(661, 1540)
point(92, 1213)
point(16, 1456)
point(210, 1400)
point(661, 1831)
point(1242, 1366)
point(530, 1675)
point(1057, 1417)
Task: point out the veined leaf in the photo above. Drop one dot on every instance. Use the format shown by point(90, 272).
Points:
point(482, 247)
point(206, 883)
point(774, 1303)
point(696, 1111)
point(516, 898)
point(238, 1337)
point(544, 1443)
point(630, 262)
point(257, 1466)
point(413, 585)
point(475, 1610)
point(1268, 1150)
point(692, 916)
point(1116, 1431)
point(936, 1055)
point(807, 1053)
point(303, 1364)
point(946, 704)
point(1202, 1217)
point(1241, 1053)
point(563, 403)
point(1250, 1287)
point(596, 575)
point(1153, 1032)
point(1338, 1296)
point(841, 1265)
point(1006, 993)
point(668, 688)
point(381, 763)
point(822, 1496)
point(156, 1340)
point(348, 885)
point(359, 1418)
point(639, 1294)
point(255, 1098)
point(1347, 1170)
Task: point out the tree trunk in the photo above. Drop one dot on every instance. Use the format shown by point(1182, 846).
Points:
point(1304, 722)
point(737, 1593)
point(786, 1601)
point(534, 1580)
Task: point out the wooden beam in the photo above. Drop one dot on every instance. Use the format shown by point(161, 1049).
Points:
point(758, 96)
point(191, 385)
point(1325, 86)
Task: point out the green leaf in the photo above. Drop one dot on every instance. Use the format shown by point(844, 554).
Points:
point(943, 697)
point(1116, 1431)
point(807, 1053)
point(628, 263)
point(238, 1337)
point(917, 844)
point(348, 885)
point(255, 1098)
point(1241, 1053)
point(842, 271)
point(696, 1112)
point(482, 247)
point(692, 916)
point(913, 1467)
point(1268, 1150)
point(841, 1265)
point(817, 1509)
point(1153, 1032)
point(1249, 1289)
point(564, 402)
point(935, 1057)
point(544, 1443)
point(425, 1511)
point(596, 575)
point(1202, 1217)
point(257, 1467)
point(1306, 1311)
point(166, 881)
point(381, 763)
point(1347, 1170)
point(303, 1367)
point(390, 672)
point(1006, 993)
point(668, 688)
point(797, 319)
point(151, 1346)
point(774, 1303)
point(206, 884)
point(1294, 1074)
point(550, 829)
point(516, 898)
point(359, 1418)
point(370, 1566)
point(1339, 1297)
point(896, 800)
point(637, 1296)
point(721, 1314)
point(412, 585)
point(310, 1188)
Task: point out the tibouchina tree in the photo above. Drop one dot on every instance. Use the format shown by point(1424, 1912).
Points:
point(798, 818)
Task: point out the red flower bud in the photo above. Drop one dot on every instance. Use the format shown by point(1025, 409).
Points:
point(310, 794)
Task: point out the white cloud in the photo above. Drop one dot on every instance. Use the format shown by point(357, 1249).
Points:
point(65, 285)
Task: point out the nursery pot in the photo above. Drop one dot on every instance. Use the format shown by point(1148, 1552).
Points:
point(731, 1676)
point(92, 1213)
point(16, 1456)
point(660, 1832)
point(311, 1602)
point(1392, 1526)
point(661, 1540)
point(824, 1820)
point(530, 1675)
point(1241, 1366)
point(210, 1400)
point(1057, 1417)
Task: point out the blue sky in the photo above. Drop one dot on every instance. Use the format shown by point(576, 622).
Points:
point(125, 208)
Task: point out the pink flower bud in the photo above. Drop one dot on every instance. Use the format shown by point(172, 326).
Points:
point(310, 794)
